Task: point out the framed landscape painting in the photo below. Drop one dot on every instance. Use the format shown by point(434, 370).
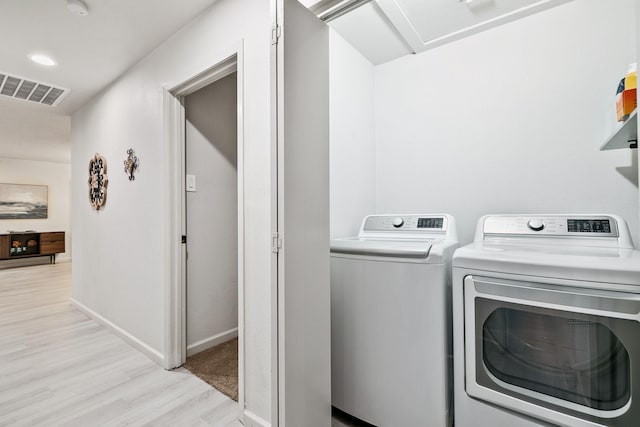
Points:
point(18, 201)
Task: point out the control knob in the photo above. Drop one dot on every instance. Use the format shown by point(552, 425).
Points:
point(398, 222)
point(536, 224)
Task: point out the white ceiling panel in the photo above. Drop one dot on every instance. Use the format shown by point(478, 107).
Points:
point(434, 18)
point(369, 31)
point(383, 30)
point(426, 24)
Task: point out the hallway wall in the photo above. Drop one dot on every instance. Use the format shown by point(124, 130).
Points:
point(121, 269)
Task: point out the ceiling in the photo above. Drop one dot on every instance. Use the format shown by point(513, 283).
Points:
point(94, 50)
point(383, 30)
point(91, 52)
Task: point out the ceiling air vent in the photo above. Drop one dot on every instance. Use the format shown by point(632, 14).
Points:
point(29, 90)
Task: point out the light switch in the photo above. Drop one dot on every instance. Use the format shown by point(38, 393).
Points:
point(191, 183)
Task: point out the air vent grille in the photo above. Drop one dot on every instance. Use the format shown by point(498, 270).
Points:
point(52, 96)
point(25, 89)
point(29, 90)
point(10, 85)
point(39, 93)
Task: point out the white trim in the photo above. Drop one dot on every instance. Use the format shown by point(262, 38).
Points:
point(277, 213)
point(240, 101)
point(206, 77)
point(173, 129)
point(219, 65)
point(211, 341)
point(252, 420)
point(277, 8)
point(144, 348)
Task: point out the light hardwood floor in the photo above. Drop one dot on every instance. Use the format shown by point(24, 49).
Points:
point(60, 368)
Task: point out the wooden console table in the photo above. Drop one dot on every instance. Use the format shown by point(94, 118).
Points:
point(31, 244)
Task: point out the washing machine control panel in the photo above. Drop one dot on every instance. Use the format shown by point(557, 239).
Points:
point(535, 224)
point(411, 223)
point(552, 225)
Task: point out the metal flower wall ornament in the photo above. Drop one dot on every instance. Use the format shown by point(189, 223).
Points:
point(131, 164)
point(98, 181)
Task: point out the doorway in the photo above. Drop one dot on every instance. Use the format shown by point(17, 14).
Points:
point(183, 336)
point(211, 204)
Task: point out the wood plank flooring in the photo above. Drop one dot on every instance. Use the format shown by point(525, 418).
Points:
point(60, 368)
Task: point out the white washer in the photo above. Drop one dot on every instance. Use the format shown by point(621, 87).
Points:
point(547, 323)
point(390, 320)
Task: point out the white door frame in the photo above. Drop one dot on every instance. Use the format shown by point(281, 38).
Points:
point(277, 294)
point(219, 65)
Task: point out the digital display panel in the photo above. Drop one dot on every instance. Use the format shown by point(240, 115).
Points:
point(430, 222)
point(588, 226)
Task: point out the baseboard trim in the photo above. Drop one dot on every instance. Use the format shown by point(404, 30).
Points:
point(25, 262)
point(63, 258)
point(130, 339)
point(212, 341)
point(252, 420)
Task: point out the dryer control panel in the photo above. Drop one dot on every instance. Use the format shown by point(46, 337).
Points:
point(406, 223)
point(552, 225)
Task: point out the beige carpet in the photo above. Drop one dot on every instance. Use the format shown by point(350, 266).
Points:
point(218, 367)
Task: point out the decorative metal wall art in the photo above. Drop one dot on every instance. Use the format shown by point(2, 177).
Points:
point(98, 181)
point(131, 164)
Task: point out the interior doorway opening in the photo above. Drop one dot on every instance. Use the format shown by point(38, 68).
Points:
point(211, 202)
point(209, 232)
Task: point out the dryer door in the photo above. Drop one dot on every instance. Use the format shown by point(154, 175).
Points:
point(556, 352)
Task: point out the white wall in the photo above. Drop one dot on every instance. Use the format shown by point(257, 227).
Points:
point(119, 271)
point(352, 133)
point(34, 132)
point(212, 215)
point(510, 120)
point(57, 176)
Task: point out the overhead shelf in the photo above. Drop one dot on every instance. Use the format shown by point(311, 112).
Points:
point(625, 135)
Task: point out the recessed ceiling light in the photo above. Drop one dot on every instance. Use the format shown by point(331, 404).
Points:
point(43, 60)
point(77, 7)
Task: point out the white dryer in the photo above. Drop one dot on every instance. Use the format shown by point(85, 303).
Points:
point(391, 320)
point(547, 323)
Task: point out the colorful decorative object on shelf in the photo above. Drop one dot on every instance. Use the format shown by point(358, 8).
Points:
point(626, 96)
point(131, 164)
point(98, 181)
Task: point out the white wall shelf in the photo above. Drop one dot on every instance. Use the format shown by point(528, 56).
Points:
point(625, 135)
